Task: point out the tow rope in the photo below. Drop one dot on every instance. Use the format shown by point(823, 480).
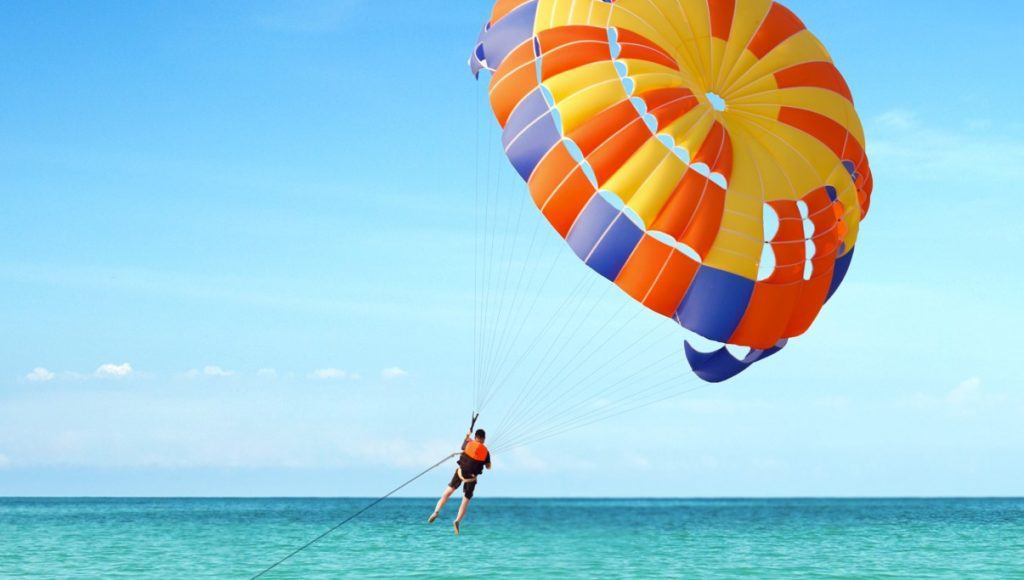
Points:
point(353, 516)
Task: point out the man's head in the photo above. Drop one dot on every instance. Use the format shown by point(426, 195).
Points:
point(480, 435)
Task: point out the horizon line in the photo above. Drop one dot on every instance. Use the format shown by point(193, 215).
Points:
point(549, 498)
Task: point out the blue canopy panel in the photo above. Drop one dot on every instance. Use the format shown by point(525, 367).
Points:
point(499, 38)
point(720, 365)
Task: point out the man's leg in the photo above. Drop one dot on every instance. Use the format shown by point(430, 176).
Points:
point(462, 514)
point(454, 484)
point(467, 494)
point(440, 503)
point(444, 498)
point(462, 509)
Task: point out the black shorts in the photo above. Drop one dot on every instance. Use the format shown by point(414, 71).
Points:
point(456, 481)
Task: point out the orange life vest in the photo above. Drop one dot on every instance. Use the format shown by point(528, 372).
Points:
point(476, 450)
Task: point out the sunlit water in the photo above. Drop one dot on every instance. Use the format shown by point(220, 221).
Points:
point(175, 538)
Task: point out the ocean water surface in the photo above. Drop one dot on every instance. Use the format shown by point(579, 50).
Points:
point(513, 538)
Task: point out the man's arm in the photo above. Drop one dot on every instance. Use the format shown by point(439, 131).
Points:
point(465, 479)
point(464, 443)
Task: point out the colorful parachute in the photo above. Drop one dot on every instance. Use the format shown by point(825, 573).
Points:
point(704, 155)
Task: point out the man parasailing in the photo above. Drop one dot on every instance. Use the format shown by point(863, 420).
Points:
point(473, 458)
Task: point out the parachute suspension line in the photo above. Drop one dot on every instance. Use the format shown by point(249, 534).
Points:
point(545, 402)
point(476, 252)
point(493, 290)
point(503, 378)
point(537, 379)
point(497, 372)
point(553, 382)
point(484, 240)
point(559, 390)
point(515, 305)
point(505, 256)
point(545, 361)
point(542, 408)
point(569, 413)
point(562, 340)
point(540, 337)
point(542, 403)
point(554, 379)
point(585, 411)
point(657, 393)
point(353, 516)
point(601, 375)
point(583, 423)
point(561, 395)
point(492, 274)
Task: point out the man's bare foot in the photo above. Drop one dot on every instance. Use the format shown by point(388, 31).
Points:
point(432, 517)
point(455, 524)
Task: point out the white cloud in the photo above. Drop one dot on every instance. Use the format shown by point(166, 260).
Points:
point(267, 373)
point(216, 371)
point(333, 374)
point(967, 399)
point(638, 462)
point(392, 373)
point(398, 452)
point(901, 144)
point(40, 375)
point(522, 459)
point(965, 394)
point(4, 461)
point(111, 370)
point(897, 119)
point(208, 371)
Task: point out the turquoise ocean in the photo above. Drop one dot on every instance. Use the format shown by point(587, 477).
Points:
point(513, 538)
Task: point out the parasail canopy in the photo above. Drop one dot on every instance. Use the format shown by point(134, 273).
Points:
point(703, 155)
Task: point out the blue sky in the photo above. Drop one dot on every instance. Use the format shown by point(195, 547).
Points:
point(237, 258)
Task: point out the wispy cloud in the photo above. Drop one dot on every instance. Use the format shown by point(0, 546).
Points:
point(4, 461)
point(522, 459)
point(333, 374)
point(114, 371)
point(40, 375)
point(216, 371)
point(964, 392)
point(392, 373)
point(904, 144)
point(213, 371)
point(965, 395)
point(966, 399)
point(267, 373)
point(897, 119)
point(401, 453)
